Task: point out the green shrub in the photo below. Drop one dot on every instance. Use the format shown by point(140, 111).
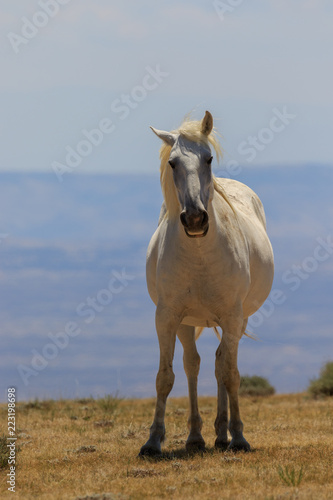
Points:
point(323, 385)
point(255, 386)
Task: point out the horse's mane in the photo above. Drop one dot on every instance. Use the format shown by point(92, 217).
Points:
point(191, 130)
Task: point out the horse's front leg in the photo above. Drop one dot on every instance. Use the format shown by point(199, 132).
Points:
point(191, 359)
point(221, 422)
point(227, 375)
point(166, 326)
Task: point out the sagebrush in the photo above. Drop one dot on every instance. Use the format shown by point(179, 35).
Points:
point(323, 385)
point(255, 386)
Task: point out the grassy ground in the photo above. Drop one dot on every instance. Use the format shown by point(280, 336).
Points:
point(76, 449)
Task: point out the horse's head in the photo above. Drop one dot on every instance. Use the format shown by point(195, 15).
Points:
point(190, 161)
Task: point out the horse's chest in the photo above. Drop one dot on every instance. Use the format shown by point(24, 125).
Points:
point(194, 281)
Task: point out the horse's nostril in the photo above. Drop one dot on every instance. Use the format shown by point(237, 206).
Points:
point(204, 218)
point(183, 219)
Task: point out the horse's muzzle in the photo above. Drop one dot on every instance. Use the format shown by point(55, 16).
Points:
point(195, 224)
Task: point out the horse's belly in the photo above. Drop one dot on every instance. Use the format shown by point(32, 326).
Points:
point(199, 315)
point(192, 321)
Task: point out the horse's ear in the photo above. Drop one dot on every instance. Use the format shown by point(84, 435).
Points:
point(207, 123)
point(167, 137)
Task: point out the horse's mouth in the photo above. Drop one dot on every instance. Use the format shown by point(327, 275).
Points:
point(196, 235)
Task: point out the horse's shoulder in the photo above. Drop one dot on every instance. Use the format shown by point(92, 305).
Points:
point(243, 198)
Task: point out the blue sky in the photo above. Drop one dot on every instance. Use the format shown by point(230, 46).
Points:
point(263, 55)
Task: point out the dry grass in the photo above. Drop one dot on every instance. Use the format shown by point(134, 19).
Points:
point(72, 449)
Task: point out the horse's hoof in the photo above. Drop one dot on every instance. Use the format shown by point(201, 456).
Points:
point(150, 451)
point(221, 444)
point(239, 445)
point(195, 446)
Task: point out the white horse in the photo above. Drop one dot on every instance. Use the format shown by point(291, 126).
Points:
point(209, 264)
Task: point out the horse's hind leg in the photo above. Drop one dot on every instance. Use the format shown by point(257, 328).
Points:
point(227, 374)
point(191, 361)
point(166, 327)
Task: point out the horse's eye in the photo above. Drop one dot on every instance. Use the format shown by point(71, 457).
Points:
point(172, 163)
point(210, 160)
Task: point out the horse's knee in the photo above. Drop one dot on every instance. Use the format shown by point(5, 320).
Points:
point(228, 375)
point(231, 379)
point(164, 380)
